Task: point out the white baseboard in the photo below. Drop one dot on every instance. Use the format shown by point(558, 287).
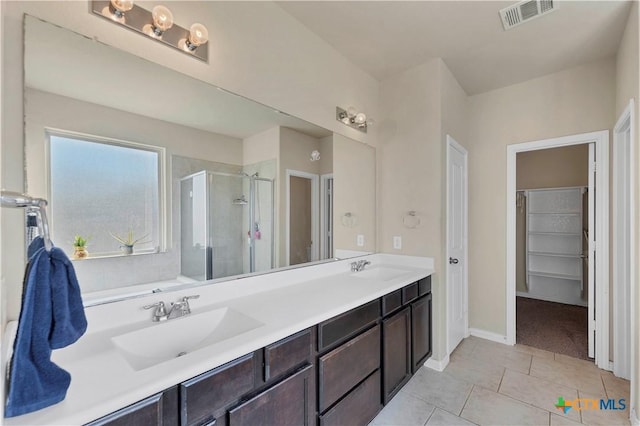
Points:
point(437, 365)
point(635, 421)
point(487, 335)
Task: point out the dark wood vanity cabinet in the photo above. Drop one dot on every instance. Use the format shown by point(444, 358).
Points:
point(339, 372)
point(160, 409)
point(396, 352)
point(421, 326)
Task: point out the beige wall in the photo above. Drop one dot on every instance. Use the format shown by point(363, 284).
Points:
point(546, 168)
point(261, 147)
point(553, 168)
point(355, 192)
point(627, 72)
point(420, 107)
point(573, 101)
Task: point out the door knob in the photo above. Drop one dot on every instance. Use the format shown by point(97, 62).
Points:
point(453, 261)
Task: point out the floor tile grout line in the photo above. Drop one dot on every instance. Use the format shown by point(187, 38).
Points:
point(430, 415)
point(466, 400)
point(504, 372)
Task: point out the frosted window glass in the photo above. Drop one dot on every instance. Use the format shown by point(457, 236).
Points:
point(98, 188)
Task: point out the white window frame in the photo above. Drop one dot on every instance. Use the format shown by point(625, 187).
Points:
point(163, 234)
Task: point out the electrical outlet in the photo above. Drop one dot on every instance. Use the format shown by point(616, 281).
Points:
point(397, 243)
point(360, 240)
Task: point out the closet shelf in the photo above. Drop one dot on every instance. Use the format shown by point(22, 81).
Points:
point(552, 254)
point(556, 275)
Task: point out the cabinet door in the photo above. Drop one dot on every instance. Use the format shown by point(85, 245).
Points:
point(159, 409)
point(290, 402)
point(420, 331)
point(396, 352)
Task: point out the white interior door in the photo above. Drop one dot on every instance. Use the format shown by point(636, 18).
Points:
point(591, 269)
point(457, 324)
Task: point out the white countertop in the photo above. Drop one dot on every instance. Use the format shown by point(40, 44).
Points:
point(285, 302)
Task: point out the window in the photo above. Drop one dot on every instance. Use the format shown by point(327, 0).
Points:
point(100, 187)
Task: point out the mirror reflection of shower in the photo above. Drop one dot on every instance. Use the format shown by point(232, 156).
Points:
point(227, 223)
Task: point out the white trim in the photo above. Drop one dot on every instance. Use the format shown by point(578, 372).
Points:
point(437, 365)
point(314, 213)
point(488, 335)
point(633, 416)
point(452, 143)
point(323, 215)
point(601, 140)
point(623, 319)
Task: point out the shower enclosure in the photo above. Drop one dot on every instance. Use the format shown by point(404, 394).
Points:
point(227, 223)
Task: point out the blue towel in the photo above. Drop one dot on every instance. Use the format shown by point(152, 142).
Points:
point(52, 317)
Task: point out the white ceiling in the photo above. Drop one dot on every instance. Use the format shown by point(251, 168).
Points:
point(386, 37)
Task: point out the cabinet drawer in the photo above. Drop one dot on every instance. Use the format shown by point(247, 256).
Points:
point(391, 302)
point(409, 293)
point(424, 286)
point(159, 409)
point(359, 407)
point(344, 367)
point(345, 325)
point(203, 397)
point(290, 402)
point(287, 354)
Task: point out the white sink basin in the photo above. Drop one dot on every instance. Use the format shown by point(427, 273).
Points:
point(381, 273)
point(161, 342)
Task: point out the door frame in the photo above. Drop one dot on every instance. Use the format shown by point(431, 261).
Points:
point(601, 140)
point(623, 319)
point(314, 212)
point(324, 219)
point(452, 143)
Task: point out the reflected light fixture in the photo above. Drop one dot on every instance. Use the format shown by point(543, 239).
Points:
point(157, 24)
point(352, 118)
point(315, 155)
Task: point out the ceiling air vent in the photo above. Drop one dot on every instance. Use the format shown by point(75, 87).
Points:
point(525, 11)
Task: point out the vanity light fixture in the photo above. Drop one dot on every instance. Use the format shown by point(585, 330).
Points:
point(352, 118)
point(157, 24)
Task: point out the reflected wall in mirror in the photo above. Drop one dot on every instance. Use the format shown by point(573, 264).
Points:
point(229, 200)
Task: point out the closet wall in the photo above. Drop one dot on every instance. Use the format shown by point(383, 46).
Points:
point(547, 168)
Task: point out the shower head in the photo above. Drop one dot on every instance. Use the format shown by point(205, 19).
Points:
point(240, 201)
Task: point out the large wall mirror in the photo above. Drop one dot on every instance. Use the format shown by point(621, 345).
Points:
point(174, 181)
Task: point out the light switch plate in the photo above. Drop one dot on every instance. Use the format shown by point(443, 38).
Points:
point(360, 240)
point(397, 243)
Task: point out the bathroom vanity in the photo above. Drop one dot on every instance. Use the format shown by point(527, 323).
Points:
point(331, 350)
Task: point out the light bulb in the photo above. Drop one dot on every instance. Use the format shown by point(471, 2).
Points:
point(346, 120)
point(198, 35)
point(352, 111)
point(162, 19)
point(119, 7)
point(360, 118)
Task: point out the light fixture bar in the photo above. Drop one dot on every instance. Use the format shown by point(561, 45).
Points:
point(140, 20)
point(349, 120)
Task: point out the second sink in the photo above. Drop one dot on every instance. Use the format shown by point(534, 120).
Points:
point(162, 342)
point(381, 273)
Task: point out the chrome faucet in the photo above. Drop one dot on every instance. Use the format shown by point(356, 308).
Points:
point(359, 265)
point(178, 309)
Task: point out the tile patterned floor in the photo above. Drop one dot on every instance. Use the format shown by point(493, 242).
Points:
point(488, 383)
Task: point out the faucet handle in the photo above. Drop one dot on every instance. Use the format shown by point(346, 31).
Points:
point(159, 312)
point(186, 298)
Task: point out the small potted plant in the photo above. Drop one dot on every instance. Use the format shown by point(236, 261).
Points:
point(80, 247)
point(129, 241)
